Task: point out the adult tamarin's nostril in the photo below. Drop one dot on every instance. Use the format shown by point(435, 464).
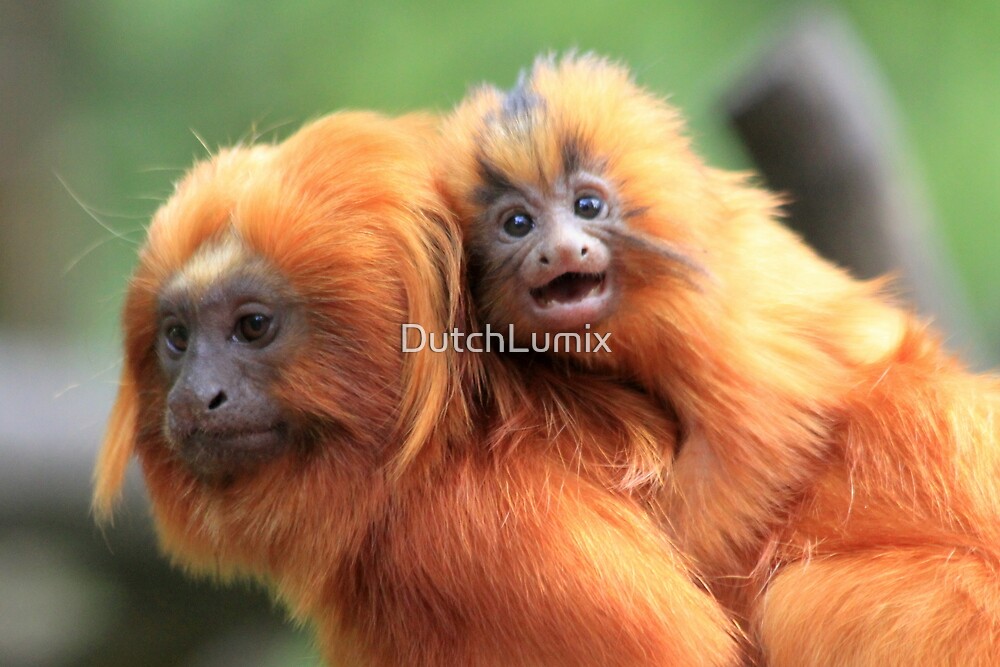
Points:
point(216, 402)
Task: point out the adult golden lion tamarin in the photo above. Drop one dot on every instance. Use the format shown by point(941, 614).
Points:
point(420, 509)
point(837, 480)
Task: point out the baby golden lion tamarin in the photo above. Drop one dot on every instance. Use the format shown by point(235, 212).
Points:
point(837, 482)
point(419, 509)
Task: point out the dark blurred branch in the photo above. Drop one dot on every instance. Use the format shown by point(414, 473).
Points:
point(818, 123)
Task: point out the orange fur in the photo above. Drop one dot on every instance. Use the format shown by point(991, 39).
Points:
point(464, 510)
point(837, 484)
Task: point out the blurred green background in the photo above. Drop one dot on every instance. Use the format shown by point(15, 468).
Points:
point(104, 104)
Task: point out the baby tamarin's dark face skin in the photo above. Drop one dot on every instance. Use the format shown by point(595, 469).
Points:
point(551, 243)
point(569, 202)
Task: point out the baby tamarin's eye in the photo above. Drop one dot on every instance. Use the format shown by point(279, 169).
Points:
point(518, 224)
point(588, 206)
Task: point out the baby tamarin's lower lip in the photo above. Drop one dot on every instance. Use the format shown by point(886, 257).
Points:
point(568, 288)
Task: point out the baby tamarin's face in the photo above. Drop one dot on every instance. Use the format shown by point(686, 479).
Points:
point(572, 197)
point(549, 243)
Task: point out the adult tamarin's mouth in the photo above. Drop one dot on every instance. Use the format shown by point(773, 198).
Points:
point(223, 450)
point(568, 288)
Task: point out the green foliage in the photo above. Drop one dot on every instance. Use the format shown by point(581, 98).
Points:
point(143, 77)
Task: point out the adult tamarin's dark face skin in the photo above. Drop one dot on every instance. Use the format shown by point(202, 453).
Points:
point(227, 325)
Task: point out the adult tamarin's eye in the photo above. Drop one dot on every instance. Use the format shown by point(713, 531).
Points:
point(253, 327)
point(588, 207)
point(518, 224)
point(177, 338)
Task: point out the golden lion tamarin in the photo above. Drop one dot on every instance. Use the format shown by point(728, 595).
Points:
point(419, 509)
point(837, 479)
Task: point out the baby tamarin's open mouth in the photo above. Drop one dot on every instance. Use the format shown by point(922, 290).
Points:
point(568, 288)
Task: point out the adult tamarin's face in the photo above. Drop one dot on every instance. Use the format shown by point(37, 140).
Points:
point(227, 326)
point(575, 190)
point(263, 320)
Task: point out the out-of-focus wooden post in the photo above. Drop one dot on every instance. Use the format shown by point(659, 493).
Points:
point(818, 123)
